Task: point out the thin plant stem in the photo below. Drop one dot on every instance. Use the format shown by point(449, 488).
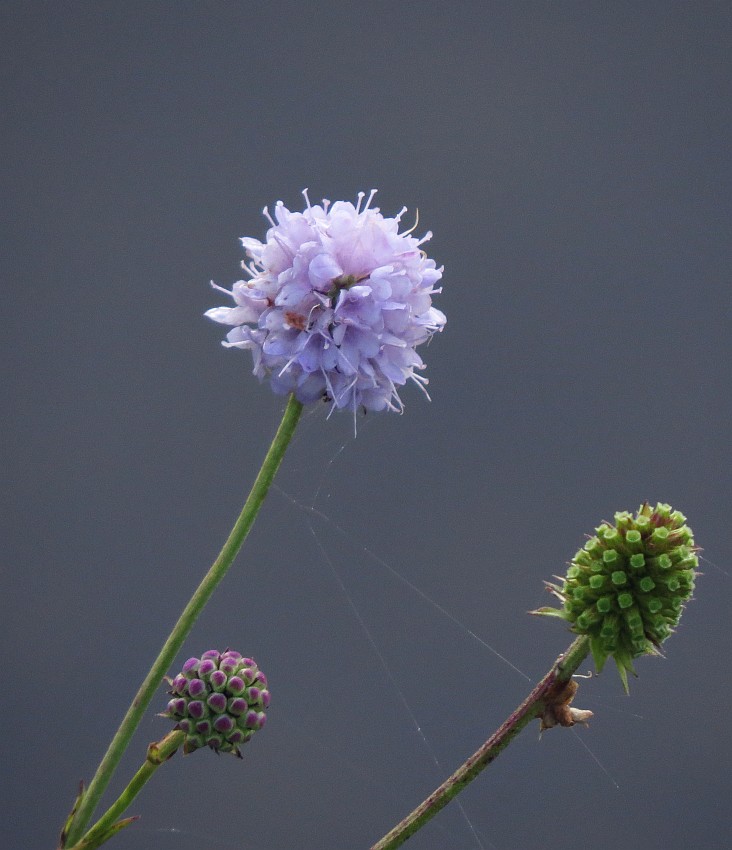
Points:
point(185, 622)
point(157, 753)
point(533, 706)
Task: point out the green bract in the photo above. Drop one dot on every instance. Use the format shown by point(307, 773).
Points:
point(626, 587)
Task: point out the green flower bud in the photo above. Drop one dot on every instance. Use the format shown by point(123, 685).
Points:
point(219, 701)
point(626, 587)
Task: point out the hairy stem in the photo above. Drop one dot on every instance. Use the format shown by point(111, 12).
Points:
point(533, 706)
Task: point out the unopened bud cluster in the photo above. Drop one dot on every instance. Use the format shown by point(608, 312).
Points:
point(626, 587)
point(219, 701)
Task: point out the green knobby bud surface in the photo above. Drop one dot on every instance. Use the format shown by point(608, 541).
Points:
point(626, 587)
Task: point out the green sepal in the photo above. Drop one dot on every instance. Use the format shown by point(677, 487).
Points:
point(98, 840)
point(70, 818)
point(599, 653)
point(624, 666)
point(550, 612)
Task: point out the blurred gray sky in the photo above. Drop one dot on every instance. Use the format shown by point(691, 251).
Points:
point(573, 162)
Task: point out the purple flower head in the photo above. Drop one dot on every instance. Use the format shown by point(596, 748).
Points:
point(336, 303)
point(223, 709)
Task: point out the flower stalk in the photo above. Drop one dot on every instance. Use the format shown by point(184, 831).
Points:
point(157, 753)
point(550, 693)
point(182, 628)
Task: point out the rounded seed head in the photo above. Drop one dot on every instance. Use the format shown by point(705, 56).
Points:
point(627, 586)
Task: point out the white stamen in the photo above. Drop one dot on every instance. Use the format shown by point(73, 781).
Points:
point(370, 198)
point(414, 226)
point(296, 355)
point(420, 381)
point(282, 242)
point(250, 268)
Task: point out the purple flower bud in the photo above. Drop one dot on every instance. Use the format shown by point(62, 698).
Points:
point(217, 701)
point(190, 667)
point(205, 668)
point(215, 742)
point(203, 727)
point(218, 680)
point(196, 687)
point(251, 720)
point(179, 684)
point(230, 662)
point(253, 695)
point(177, 707)
point(236, 686)
point(236, 737)
point(212, 654)
point(196, 709)
point(248, 673)
point(237, 706)
point(223, 724)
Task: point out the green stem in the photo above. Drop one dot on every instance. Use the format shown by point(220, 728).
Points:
point(157, 753)
point(186, 620)
point(533, 706)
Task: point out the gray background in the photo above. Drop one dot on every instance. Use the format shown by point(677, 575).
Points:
point(573, 162)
